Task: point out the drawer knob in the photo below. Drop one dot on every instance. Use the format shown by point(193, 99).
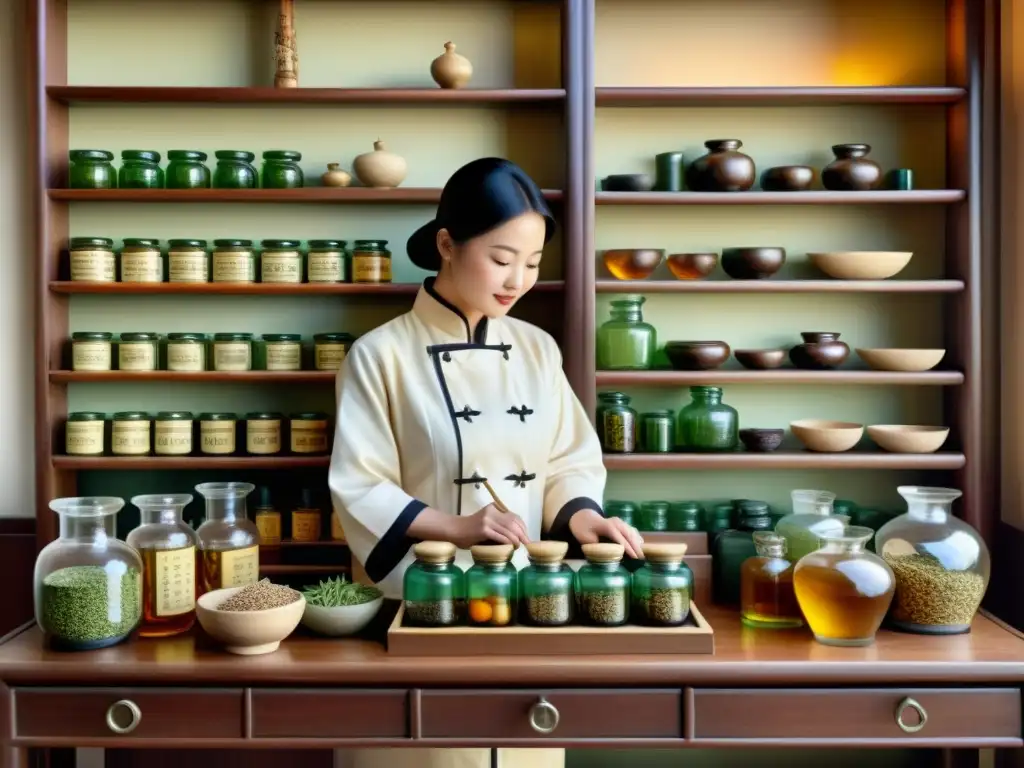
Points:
point(543, 716)
point(122, 710)
point(901, 709)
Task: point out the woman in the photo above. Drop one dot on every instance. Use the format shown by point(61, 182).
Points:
point(453, 393)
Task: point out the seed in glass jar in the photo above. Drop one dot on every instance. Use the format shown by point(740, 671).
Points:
point(431, 612)
point(260, 596)
point(605, 607)
point(929, 594)
point(548, 609)
point(666, 605)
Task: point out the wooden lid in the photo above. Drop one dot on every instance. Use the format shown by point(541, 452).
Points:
point(434, 551)
point(603, 553)
point(491, 553)
point(664, 553)
point(547, 551)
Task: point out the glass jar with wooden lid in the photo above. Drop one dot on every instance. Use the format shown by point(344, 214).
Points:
point(263, 433)
point(138, 352)
point(329, 350)
point(187, 261)
point(309, 433)
point(92, 260)
point(433, 586)
point(228, 539)
point(371, 262)
point(545, 586)
point(232, 352)
point(131, 433)
point(280, 352)
point(603, 586)
point(91, 169)
point(663, 586)
point(85, 433)
point(140, 169)
point(325, 261)
point(491, 586)
point(186, 169)
point(91, 351)
point(281, 261)
point(141, 260)
point(234, 261)
point(218, 434)
point(186, 352)
point(173, 433)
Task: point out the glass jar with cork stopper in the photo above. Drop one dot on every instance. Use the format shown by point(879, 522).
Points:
point(662, 588)
point(491, 586)
point(603, 586)
point(545, 586)
point(766, 585)
point(228, 540)
point(433, 587)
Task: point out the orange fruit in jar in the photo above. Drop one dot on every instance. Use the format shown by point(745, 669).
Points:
point(502, 613)
point(480, 611)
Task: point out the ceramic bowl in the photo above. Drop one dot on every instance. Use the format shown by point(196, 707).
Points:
point(787, 178)
point(628, 182)
point(907, 438)
point(761, 440)
point(247, 633)
point(696, 355)
point(692, 266)
point(861, 265)
point(760, 359)
point(752, 263)
point(906, 360)
point(632, 263)
point(821, 351)
point(825, 436)
point(341, 620)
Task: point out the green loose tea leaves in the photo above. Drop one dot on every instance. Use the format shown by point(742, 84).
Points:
point(929, 594)
point(338, 591)
point(91, 603)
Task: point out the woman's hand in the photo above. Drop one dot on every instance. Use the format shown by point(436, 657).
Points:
point(588, 526)
point(488, 525)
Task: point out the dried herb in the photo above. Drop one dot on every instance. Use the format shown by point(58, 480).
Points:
point(261, 596)
point(666, 605)
point(606, 608)
point(431, 613)
point(548, 609)
point(85, 604)
point(927, 593)
point(338, 591)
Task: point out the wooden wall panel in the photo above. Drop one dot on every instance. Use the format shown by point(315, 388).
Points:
point(17, 559)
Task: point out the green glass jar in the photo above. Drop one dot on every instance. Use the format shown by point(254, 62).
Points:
point(263, 433)
point(234, 261)
point(330, 349)
point(187, 261)
point(626, 342)
point(173, 433)
point(186, 169)
point(433, 587)
point(91, 169)
point(310, 433)
point(545, 586)
point(654, 516)
point(92, 260)
point(186, 352)
point(138, 352)
point(325, 262)
point(618, 424)
point(371, 261)
point(707, 424)
point(733, 547)
point(140, 169)
point(626, 510)
point(656, 432)
point(662, 587)
point(281, 261)
point(718, 518)
point(141, 260)
point(218, 434)
point(685, 516)
point(130, 434)
point(604, 400)
point(603, 586)
point(845, 507)
point(91, 351)
point(281, 169)
point(280, 352)
point(235, 170)
point(232, 352)
point(813, 516)
point(85, 433)
point(491, 586)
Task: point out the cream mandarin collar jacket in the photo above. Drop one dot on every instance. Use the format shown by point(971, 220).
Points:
point(426, 410)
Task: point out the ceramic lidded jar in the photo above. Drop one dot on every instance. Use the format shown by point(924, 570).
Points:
point(820, 351)
point(723, 169)
point(335, 176)
point(851, 171)
point(451, 69)
point(380, 168)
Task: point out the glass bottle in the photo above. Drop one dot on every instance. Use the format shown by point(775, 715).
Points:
point(656, 432)
point(663, 586)
point(626, 342)
point(232, 352)
point(228, 539)
point(603, 586)
point(626, 510)
point(187, 261)
point(268, 519)
point(618, 424)
point(546, 586)
point(433, 587)
point(843, 590)
point(654, 515)
point(91, 259)
point(707, 424)
point(325, 262)
point(235, 170)
point(371, 261)
point(812, 516)
point(733, 547)
point(941, 563)
point(306, 519)
point(186, 352)
point(186, 169)
point(91, 169)
point(168, 546)
point(141, 260)
point(87, 583)
point(281, 169)
point(491, 586)
point(281, 261)
point(173, 433)
point(91, 351)
point(718, 519)
point(140, 169)
point(685, 516)
point(604, 401)
point(309, 433)
point(263, 433)
point(767, 598)
point(131, 433)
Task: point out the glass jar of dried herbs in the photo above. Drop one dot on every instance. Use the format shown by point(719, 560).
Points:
point(433, 587)
point(603, 586)
point(545, 586)
point(663, 586)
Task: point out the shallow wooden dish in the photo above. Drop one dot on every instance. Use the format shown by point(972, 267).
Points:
point(904, 360)
point(861, 265)
point(908, 438)
point(824, 436)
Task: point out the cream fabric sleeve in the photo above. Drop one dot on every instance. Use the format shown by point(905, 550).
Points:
point(365, 473)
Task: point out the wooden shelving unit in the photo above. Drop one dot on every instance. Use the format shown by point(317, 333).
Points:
point(779, 286)
point(775, 97)
point(407, 290)
point(780, 376)
point(784, 460)
point(422, 195)
point(159, 463)
point(913, 197)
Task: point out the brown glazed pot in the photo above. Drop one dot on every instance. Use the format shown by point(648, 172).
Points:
point(752, 263)
point(761, 440)
point(760, 359)
point(787, 178)
point(723, 169)
point(851, 171)
point(697, 355)
point(820, 351)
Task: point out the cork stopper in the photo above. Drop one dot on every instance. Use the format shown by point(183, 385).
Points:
point(437, 552)
point(664, 553)
point(603, 553)
point(547, 552)
point(491, 554)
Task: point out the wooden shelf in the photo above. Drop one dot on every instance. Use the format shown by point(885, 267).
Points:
point(781, 376)
point(70, 94)
point(205, 377)
point(779, 286)
point(411, 195)
point(919, 196)
point(156, 463)
point(700, 97)
point(784, 460)
point(283, 569)
point(264, 289)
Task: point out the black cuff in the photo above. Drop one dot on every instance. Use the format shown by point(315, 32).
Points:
point(393, 545)
point(560, 526)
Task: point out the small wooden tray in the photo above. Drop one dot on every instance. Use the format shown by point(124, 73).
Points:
point(696, 636)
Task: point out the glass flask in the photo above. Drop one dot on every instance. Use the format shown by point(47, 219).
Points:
point(140, 169)
point(626, 342)
point(941, 563)
point(733, 547)
point(617, 424)
point(228, 540)
point(491, 586)
point(707, 424)
point(186, 169)
point(813, 515)
point(168, 546)
point(546, 586)
point(657, 430)
point(603, 586)
point(663, 586)
point(87, 583)
point(843, 590)
point(767, 598)
point(433, 587)
point(654, 516)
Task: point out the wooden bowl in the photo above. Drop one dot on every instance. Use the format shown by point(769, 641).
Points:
point(787, 178)
point(247, 633)
point(761, 440)
point(692, 266)
point(906, 360)
point(633, 263)
point(752, 263)
point(908, 438)
point(825, 436)
point(628, 182)
point(760, 359)
point(861, 265)
point(696, 355)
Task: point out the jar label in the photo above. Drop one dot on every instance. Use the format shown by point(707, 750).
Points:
point(130, 438)
point(263, 436)
point(326, 267)
point(94, 266)
point(371, 269)
point(239, 567)
point(217, 437)
point(187, 267)
point(142, 267)
point(619, 432)
point(173, 438)
point(337, 533)
point(232, 356)
point(284, 356)
point(175, 582)
point(136, 356)
point(328, 357)
point(309, 436)
point(234, 267)
point(281, 267)
point(269, 525)
point(186, 356)
point(90, 355)
point(306, 525)
point(84, 438)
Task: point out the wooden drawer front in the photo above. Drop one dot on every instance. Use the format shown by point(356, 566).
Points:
point(162, 713)
point(330, 714)
point(864, 714)
point(582, 714)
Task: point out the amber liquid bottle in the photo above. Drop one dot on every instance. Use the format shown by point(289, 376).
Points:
point(767, 598)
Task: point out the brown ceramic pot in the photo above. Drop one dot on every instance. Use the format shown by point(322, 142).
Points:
point(787, 178)
point(696, 355)
point(723, 169)
point(752, 263)
point(628, 182)
point(761, 440)
point(692, 266)
point(760, 359)
point(851, 171)
point(820, 351)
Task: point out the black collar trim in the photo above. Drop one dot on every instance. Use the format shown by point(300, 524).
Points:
point(477, 337)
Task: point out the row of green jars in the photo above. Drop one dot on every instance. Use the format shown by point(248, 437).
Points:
point(706, 424)
point(186, 169)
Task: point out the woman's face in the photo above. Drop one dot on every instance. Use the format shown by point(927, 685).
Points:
point(491, 272)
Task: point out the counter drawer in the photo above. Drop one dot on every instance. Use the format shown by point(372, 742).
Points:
point(129, 713)
point(936, 715)
point(329, 714)
point(575, 714)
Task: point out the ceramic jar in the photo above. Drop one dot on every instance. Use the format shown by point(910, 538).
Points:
point(723, 169)
point(451, 69)
point(851, 171)
point(380, 168)
point(820, 351)
point(334, 176)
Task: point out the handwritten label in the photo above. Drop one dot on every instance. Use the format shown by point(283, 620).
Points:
point(175, 581)
point(326, 267)
point(187, 266)
point(305, 525)
point(371, 269)
point(309, 436)
point(328, 357)
point(263, 436)
point(217, 437)
point(84, 438)
point(186, 356)
point(93, 266)
point(141, 267)
point(130, 438)
point(284, 356)
point(269, 526)
point(90, 356)
point(232, 356)
point(234, 267)
point(136, 356)
point(173, 438)
point(239, 567)
point(281, 267)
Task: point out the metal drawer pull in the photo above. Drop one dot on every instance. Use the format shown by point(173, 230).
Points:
point(543, 716)
point(134, 716)
point(902, 707)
